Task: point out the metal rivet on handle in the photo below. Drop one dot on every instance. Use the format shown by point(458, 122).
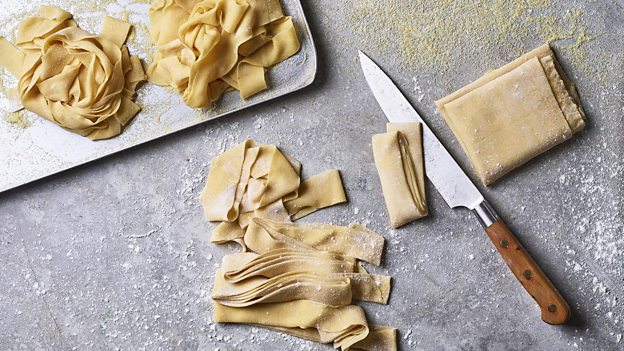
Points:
point(552, 308)
point(504, 243)
point(527, 274)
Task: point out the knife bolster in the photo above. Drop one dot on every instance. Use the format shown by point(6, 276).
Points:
point(486, 214)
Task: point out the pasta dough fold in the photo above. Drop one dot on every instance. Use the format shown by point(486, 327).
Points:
point(205, 47)
point(85, 83)
point(246, 178)
point(514, 113)
point(399, 159)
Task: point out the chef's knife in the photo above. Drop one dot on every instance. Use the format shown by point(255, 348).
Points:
point(458, 191)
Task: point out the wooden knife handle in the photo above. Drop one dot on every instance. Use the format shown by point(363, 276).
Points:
point(555, 309)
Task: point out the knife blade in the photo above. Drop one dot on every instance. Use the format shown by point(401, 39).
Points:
point(442, 170)
point(459, 191)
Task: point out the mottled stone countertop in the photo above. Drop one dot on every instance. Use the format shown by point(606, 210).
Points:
point(115, 255)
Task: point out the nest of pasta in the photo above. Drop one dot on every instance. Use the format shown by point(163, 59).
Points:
point(207, 47)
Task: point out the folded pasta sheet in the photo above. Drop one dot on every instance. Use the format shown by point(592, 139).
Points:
point(205, 47)
point(246, 178)
point(514, 113)
point(399, 160)
point(319, 191)
point(83, 82)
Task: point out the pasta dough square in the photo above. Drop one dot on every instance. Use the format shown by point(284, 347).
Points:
point(514, 113)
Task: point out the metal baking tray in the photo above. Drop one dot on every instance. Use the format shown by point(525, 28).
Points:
point(32, 148)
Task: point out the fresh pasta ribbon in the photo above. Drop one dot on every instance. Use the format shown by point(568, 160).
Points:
point(85, 83)
point(247, 178)
point(379, 338)
point(332, 291)
point(345, 326)
point(240, 266)
point(357, 241)
point(205, 47)
point(226, 232)
point(287, 275)
point(317, 192)
point(370, 287)
point(298, 279)
point(255, 180)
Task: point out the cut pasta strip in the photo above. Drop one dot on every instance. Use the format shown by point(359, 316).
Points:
point(357, 241)
point(287, 275)
point(247, 178)
point(317, 192)
point(255, 180)
point(344, 326)
point(227, 232)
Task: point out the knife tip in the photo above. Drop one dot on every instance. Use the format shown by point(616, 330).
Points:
point(361, 54)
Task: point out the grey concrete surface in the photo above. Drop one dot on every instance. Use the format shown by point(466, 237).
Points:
point(115, 255)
